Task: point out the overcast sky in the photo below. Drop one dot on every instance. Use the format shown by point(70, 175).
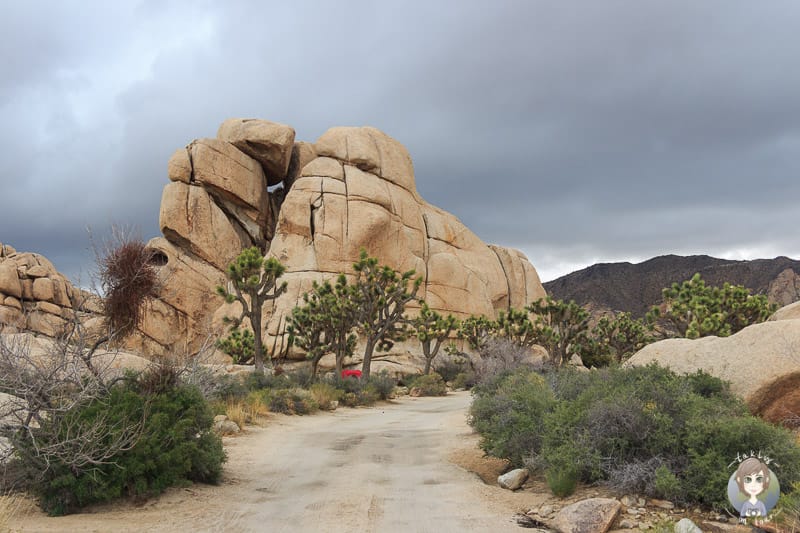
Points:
point(578, 132)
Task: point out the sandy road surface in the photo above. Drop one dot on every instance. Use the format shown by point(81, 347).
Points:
point(381, 469)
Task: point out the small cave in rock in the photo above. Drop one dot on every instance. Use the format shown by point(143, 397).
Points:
point(158, 259)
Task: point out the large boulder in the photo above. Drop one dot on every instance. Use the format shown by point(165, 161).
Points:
point(788, 312)
point(190, 218)
point(762, 362)
point(269, 143)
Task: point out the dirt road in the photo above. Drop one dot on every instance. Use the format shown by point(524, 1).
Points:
point(381, 469)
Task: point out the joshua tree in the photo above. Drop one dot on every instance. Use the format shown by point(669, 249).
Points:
point(254, 281)
point(325, 323)
point(558, 326)
point(432, 328)
point(379, 296)
point(695, 310)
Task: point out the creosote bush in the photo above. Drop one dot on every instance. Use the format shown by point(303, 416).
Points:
point(643, 429)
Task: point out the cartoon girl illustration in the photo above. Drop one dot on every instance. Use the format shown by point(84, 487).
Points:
point(753, 478)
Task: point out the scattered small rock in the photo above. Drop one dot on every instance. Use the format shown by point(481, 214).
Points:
point(661, 504)
point(687, 526)
point(721, 527)
point(594, 515)
point(220, 418)
point(627, 523)
point(514, 479)
point(545, 510)
point(226, 427)
point(628, 500)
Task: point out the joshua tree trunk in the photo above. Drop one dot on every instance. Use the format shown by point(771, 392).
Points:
point(365, 366)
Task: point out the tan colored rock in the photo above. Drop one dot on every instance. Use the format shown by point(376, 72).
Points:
point(773, 348)
point(43, 289)
point(354, 188)
point(179, 166)
point(789, 312)
point(269, 143)
point(514, 479)
point(47, 307)
point(29, 260)
point(370, 150)
point(228, 173)
point(163, 323)
point(11, 316)
point(61, 291)
point(323, 167)
point(45, 323)
point(10, 301)
point(37, 271)
point(785, 288)
point(27, 289)
point(302, 154)
point(189, 298)
point(9, 280)
point(341, 204)
point(6, 250)
point(190, 219)
point(594, 515)
point(524, 285)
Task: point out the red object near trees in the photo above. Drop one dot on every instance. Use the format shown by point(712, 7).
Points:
point(351, 374)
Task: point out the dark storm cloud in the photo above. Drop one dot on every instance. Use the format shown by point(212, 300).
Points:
point(574, 131)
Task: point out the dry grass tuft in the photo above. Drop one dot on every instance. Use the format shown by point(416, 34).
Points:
point(11, 504)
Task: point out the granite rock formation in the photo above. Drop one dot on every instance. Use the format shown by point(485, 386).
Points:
point(35, 297)
point(313, 207)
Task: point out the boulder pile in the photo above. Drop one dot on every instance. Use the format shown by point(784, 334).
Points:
point(313, 207)
point(34, 296)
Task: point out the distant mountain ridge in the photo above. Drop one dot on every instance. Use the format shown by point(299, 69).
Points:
point(636, 287)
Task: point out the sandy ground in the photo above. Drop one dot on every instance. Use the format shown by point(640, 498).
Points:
point(393, 467)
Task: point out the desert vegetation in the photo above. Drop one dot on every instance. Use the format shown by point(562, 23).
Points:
point(79, 431)
point(638, 430)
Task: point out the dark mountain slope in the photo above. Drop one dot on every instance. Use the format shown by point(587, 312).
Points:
point(636, 287)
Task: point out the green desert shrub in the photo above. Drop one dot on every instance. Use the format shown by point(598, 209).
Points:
point(324, 394)
point(383, 384)
point(562, 472)
point(465, 380)
point(509, 417)
point(294, 401)
point(429, 385)
point(666, 484)
point(176, 444)
point(450, 367)
point(642, 429)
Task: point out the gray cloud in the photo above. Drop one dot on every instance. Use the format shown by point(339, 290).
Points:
point(576, 132)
